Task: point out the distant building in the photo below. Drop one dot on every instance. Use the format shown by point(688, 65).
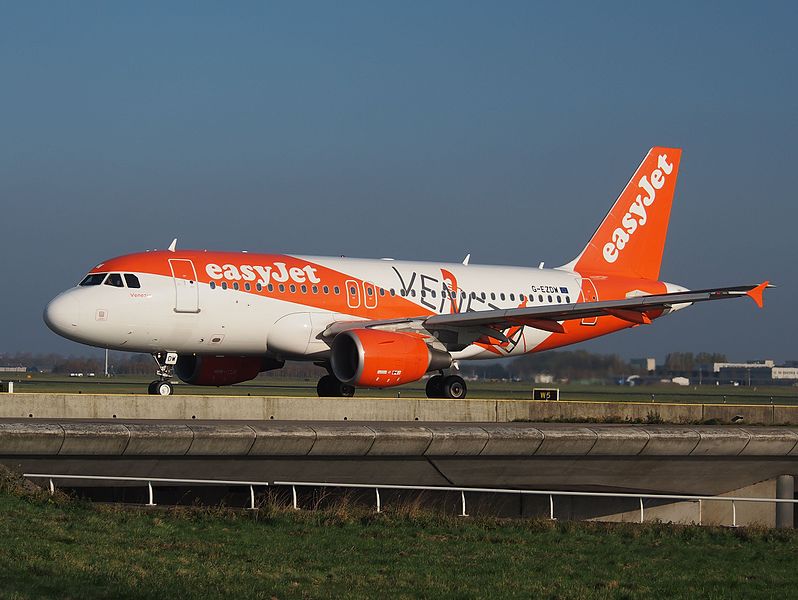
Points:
point(13, 369)
point(544, 378)
point(785, 373)
point(648, 364)
point(754, 373)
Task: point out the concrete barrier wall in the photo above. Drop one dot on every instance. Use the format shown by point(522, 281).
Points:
point(110, 406)
point(117, 439)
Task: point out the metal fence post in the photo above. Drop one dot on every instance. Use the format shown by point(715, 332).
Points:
point(462, 497)
point(52, 487)
point(251, 498)
point(293, 496)
point(700, 512)
point(149, 489)
point(641, 509)
point(551, 507)
point(379, 508)
point(785, 489)
point(734, 514)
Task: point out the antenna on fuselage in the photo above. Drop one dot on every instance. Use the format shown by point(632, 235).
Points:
point(173, 245)
point(467, 258)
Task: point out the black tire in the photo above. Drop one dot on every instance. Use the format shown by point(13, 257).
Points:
point(435, 386)
point(324, 388)
point(164, 388)
point(345, 390)
point(454, 387)
point(151, 388)
point(329, 387)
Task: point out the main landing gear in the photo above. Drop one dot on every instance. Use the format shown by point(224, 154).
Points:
point(329, 386)
point(446, 386)
point(166, 370)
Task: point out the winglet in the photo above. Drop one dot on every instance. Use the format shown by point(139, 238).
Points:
point(756, 293)
point(467, 258)
point(173, 245)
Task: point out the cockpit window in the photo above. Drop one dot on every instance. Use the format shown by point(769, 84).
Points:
point(93, 279)
point(132, 281)
point(115, 279)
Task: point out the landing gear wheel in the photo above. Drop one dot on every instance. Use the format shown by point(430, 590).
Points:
point(329, 386)
point(163, 388)
point(454, 387)
point(324, 386)
point(435, 386)
point(166, 366)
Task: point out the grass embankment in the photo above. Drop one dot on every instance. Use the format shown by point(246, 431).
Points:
point(271, 385)
point(56, 547)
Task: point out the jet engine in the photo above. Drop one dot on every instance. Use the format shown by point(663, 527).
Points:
point(376, 358)
point(222, 370)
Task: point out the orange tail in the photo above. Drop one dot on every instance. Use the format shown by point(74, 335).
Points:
point(631, 239)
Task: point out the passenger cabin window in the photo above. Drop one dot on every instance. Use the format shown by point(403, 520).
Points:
point(93, 279)
point(132, 281)
point(115, 279)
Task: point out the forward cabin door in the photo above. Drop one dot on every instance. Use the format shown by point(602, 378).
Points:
point(186, 288)
point(589, 294)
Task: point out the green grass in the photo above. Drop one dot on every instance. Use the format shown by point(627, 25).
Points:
point(56, 547)
point(514, 390)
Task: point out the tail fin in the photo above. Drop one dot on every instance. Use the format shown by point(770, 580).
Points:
point(631, 238)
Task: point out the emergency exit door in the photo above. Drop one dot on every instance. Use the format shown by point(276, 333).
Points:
point(186, 287)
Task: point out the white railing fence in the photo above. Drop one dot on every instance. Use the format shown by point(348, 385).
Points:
point(150, 481)
point(699, 500)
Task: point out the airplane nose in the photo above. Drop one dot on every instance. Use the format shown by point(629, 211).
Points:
point(61, 314)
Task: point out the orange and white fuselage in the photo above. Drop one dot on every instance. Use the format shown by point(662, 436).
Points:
point(380, 322)
point(241, 303)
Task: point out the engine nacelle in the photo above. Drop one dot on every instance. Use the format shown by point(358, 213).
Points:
point(222, 370)
point(375, 358)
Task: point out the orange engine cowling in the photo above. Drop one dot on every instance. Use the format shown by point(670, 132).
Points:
point(376, 358)
point(222, 370)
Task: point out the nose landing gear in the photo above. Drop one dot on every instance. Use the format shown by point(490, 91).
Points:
point(166, 370)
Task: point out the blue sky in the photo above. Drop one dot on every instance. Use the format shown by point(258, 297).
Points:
point(413, 130)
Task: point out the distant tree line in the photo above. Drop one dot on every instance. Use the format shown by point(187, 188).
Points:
point(571, 365)
point(685, 363)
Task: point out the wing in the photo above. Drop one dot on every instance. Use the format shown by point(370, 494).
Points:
point(471, 326)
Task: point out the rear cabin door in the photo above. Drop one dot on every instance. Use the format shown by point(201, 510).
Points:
point(589, 294)
point(186, 288)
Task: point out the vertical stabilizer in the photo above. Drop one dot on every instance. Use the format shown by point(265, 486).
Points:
point(631, 238)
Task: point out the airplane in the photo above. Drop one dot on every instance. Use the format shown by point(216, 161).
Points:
point(220, 318)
